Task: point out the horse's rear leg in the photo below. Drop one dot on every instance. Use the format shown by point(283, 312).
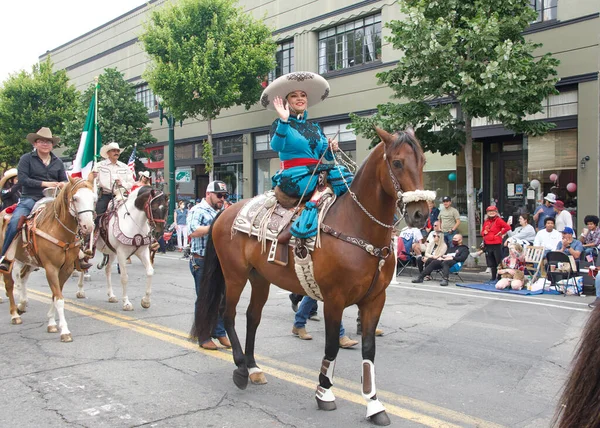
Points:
point(21, 272)
point(80, 291)
point(9, 285)
point(258, 298)
point(122, 260)
point(108, 271)
point(147, 262)
point(333, 319)
point(370, 313)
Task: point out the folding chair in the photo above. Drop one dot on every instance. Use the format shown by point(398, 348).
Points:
point(533, 261)
point(553, 258)
point(454, 270)
point(404, 254)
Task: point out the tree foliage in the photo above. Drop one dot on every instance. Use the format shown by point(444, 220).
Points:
point(29, 101)
point(471, 55)
point(121, 117)
point(207, 55)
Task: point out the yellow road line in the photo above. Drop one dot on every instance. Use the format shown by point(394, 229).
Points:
point(181, 339)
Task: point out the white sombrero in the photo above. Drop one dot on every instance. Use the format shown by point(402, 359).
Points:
point(8, 174)
point(110, 146)
point(315, 86)
point(144, 174)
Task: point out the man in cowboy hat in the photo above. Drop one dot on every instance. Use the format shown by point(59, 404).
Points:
point(112, 174)
point(37, 170)
point(543, 211)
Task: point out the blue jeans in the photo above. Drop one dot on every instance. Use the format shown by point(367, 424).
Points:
point(304, 311)
point(448, 237)
point(23, 209)
point(590, 251)
point(197, 270)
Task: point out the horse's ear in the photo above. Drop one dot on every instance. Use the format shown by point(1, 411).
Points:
point(411, 131)
point(71, 180)
point(385, 136)
point(90, 177)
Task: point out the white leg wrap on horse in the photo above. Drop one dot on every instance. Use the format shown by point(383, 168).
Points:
point(369, 392)
point(325, 394)
point(327, 369)
point(253, 370)
point(374, 407)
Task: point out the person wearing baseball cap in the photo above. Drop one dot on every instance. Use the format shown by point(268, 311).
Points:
point(449, 218)
point(492, 231)
point(563, 217)
point(199, 219)
point(568, 245)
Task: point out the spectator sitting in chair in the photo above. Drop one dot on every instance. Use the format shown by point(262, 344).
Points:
point(455, 254)
point(523, 234)
point(415, 234)
point(568, 245)
point(430, 236)
point(590, 238)
point(436, 249)
point(512, 269)
point(547, 237)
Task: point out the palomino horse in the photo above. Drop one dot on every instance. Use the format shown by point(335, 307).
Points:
point(354, 267)
point(129, 232)
point(55, 241)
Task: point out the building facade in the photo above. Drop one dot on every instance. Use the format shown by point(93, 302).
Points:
point(344, 40)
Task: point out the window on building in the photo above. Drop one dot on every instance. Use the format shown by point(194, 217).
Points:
point(232, 175)
point(345, 135)
point(228, 145)
point(284, 58)
point(353, 43)
point(144, 95)
point(184, 151)
point(545, 9)
point(262, 142)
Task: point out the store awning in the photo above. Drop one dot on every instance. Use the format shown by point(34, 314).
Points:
point(155, 165)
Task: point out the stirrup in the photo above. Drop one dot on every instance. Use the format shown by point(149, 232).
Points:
point(278, 254)
point(103, 263)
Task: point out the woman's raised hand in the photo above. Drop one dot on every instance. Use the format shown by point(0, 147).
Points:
point(281, 108)
point(333, 144)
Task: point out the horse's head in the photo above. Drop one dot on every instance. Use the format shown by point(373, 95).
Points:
point(154, 204)
point(82, 202)
point(402, 177)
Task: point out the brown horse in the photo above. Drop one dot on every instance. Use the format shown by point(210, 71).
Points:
point(348, 270)
point(55, 248)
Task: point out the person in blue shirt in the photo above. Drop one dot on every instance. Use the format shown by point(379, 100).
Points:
point(544, 211)
point(301, 144)
point(568, 245)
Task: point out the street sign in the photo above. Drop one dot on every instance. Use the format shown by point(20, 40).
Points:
point(183, 176)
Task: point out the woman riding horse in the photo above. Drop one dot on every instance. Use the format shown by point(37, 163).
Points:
point(301, 144)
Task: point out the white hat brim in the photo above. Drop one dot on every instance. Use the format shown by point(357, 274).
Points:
point(110, 146)
point(315, 86)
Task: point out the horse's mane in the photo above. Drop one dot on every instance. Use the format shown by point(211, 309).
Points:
point(142, 197)
point(408, 138)
point(579, 405)
point(60, 205)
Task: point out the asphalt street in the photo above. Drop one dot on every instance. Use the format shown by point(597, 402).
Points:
point(450, 357)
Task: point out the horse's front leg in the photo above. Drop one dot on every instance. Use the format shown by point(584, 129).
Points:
point(122, 260)
point(52, 275)
point(9, 286)
point(258, 298)
point(19, 270)
point(108, 271)
point(80, 291)
point(333, 319)
point(370, 313)
point(147, 262)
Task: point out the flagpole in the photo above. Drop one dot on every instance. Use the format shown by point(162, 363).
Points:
point(94, 169)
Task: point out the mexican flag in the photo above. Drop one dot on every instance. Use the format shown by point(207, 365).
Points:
point(84, 160)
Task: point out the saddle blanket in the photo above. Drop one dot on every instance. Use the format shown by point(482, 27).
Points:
point(263, 217)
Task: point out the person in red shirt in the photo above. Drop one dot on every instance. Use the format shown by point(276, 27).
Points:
point(492, 231)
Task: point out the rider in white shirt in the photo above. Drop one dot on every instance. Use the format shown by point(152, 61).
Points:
point(112, 174)
point(548, 237)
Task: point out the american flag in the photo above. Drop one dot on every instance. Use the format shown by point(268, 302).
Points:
point(131, 161)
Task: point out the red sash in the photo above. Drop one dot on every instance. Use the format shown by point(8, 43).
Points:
point(287, 164)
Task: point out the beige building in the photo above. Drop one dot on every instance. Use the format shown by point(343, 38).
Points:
point(344, 40)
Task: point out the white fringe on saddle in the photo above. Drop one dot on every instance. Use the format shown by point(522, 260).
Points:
point(306, 276)
point(418, 195)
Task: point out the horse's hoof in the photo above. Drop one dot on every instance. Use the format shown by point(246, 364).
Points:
point(240, 378)
point(145, 303)
point(52, 329)
point(112, 299)
point(381, 419)
point(66, 338)
point(326, 405)
point(128, 307)
point(16, 321)
point(258, 378)
point(80, 294)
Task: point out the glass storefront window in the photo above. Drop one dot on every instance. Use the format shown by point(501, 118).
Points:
point(184, 151)
point(232, 174)
point(261, 142)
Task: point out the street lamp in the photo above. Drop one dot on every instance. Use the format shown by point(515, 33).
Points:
point(172, 193)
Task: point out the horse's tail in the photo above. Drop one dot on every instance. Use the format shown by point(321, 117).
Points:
point(212, 292)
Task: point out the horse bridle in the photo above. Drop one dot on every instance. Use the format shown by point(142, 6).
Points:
point(72, 202)
point(148, 210)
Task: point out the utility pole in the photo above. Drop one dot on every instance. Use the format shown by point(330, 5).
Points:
point(172, 192)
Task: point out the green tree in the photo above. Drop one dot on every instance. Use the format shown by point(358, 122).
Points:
point(207, 55)
point(468, 55)
point(121, 117)
point(29, 101)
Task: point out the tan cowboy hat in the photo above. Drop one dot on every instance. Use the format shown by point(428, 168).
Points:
point(315, 86)
point(110, 146)
point(42, 134)
point(8, 174)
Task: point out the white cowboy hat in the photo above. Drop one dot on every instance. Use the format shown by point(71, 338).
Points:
point(551, 197)
point(144, 174)
point(8, 174)
point(110, 146)
point(42, 134)
point(315, 86)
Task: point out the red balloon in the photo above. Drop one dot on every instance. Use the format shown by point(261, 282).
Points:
point(572, 187)
point(553, 177)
